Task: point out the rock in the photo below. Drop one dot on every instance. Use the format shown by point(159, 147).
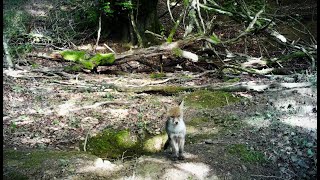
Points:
point(244, 168)
point(208, 141)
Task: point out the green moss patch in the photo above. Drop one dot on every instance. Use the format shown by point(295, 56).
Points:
point(74, 68)
point(14, 175)
point(74, 56)
point(173, 89)
point(177, 52)
point(84, 59)
point(32, 159)
point(198, 121)
point(157, 75)
point(232, 80)
point(114, 144)
point(246, 155)
point(210, 99)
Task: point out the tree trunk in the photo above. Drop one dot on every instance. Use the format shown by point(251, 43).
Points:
point(147, 19)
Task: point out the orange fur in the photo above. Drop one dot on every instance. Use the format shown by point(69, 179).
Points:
point(174, 112)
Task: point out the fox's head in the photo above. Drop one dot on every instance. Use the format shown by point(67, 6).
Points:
point(175, 114)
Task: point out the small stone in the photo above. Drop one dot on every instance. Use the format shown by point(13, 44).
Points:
point(244, 168)
point(309, 144)
point(208, 141)
point(288, 148)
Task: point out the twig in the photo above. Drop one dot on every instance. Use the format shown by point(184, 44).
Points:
point(122, 157)
point(227, 100)
point(154, 34)
point(86, 140)
point(200, 17)
point(109, 48)
point(169, 10)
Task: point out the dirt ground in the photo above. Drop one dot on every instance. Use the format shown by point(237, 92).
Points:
point(266, 135)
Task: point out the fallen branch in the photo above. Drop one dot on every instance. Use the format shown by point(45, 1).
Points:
point(97, 105)
point(250, 86)
point(209, 141)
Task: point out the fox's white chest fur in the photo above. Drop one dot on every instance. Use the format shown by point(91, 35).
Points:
point(177, 129)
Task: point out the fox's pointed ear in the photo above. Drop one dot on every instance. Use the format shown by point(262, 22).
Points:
point(181, 106)
point(181, 109)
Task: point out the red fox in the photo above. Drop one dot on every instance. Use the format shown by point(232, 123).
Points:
point(176, 130)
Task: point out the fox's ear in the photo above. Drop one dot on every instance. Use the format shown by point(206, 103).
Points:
point(181, 105)
point(181, 108)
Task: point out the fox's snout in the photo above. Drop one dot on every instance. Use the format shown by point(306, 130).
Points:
point(176, 122)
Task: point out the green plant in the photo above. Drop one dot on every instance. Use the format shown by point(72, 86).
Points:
point(55, 122)
point(13, 125)
point(17, 89)
point(74, 122)
point(108, 96)
point(246, 155)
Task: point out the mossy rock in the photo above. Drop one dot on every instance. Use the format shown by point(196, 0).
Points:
point(246, 155)
point(210, 99)
point(113, 144)
point(155, 144)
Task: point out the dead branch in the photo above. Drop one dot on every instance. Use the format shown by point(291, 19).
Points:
point(250, 86)
point(97, 105)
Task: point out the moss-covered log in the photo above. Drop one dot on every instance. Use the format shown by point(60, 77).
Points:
point(87, 62)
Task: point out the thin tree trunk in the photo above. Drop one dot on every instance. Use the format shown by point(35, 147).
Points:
point(6, 50)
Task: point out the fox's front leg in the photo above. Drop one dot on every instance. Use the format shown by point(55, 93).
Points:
point(181, 148)
point(174, 147)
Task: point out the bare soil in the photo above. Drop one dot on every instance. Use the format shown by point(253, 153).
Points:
point(48, 112)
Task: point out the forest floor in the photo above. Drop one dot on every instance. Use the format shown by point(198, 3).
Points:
point(265, 135)
point(271, 134)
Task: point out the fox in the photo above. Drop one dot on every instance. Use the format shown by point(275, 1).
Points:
point(176, 131)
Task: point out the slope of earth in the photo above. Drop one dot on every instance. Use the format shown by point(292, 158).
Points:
point(268, 134)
